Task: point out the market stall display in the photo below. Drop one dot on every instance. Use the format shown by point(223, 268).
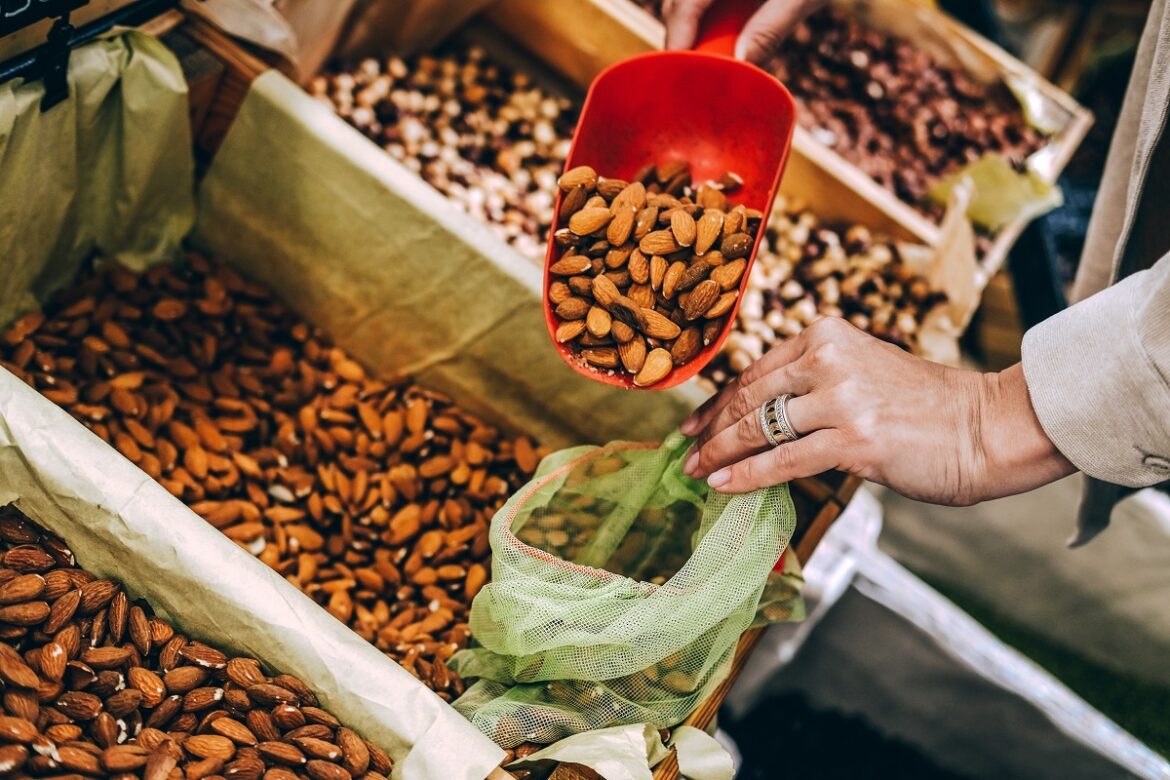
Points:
point(96, 684)
point(372, 497)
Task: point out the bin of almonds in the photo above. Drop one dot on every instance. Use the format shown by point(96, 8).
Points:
point(96, 685)
point(373, 497)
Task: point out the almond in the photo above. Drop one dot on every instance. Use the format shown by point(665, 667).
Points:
point(671, 278)
point(234, 730)
point(590, 219)
point(657, 365)
point(356, 757)
point(184, 678)
point(701, 299)
point(79, 705)
point(204, 656)
point(149, 684)
point(124, 702)
point(120, 759)
point(682, 225)
point(610, 188)
point(318, 748)
point(581, 176)
point(572, 201)
point(282, 753)
point(201, 699)
point(605, 292)
point(269, 695)
point(52, 661)
point(324, 770)
point(621, 226)
point(736, 245)
point(645, 221)
point(632, 195)
point(25, 587)
point(28, 558)
point(694, 273)
point(639, 267)
point(598, 321)
point(658, 242)
point(723, 304)
point(62, 612)
point(96, 595)
point(708, 230)
point(601, 357)
point(571, 265)
point(210, 746)
point(17, 729)
point(621, 332)
point(30, 613)
point(686, 346)
point(569, 330)
point(75, 759)
point(105, 657)
point(727, 276)
point(15, 671)
point(573, 308)
point(656, 326)
point(633, 354)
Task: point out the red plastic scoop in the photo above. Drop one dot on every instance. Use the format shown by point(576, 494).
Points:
point(717, 113)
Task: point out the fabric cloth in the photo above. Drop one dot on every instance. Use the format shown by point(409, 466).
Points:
point(1099, 372)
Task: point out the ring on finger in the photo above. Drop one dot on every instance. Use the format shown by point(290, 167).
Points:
point(775, 423)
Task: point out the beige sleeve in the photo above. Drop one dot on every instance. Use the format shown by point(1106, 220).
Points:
point(1099, 377)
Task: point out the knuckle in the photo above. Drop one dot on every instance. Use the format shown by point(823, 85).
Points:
point(741, 405)
point(748, 432)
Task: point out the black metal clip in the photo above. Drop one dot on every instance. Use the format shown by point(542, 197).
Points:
point(53, 63)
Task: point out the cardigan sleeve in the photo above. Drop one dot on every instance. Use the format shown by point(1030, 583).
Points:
point(1098, 373)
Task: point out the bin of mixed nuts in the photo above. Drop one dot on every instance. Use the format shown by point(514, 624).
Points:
point(891, 108)
point(806, 270)
point(95, 685)
point(373, 497)
point(484, 135)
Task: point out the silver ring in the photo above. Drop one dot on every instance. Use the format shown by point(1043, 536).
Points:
point(774, 421)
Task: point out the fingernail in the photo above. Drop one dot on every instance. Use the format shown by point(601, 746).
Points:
point(690, 425)
point(692, 463)
point(719, 478)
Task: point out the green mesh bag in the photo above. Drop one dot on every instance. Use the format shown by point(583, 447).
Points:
point(619, 590)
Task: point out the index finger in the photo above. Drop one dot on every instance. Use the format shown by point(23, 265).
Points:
point(682, 21)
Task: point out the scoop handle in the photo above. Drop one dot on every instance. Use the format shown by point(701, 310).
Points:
point(720, 26)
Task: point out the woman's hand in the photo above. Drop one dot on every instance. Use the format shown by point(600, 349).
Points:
point(760, 37)
point(930, 432)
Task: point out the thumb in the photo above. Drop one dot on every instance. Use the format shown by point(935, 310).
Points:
point(682, 21)
point(768, 28)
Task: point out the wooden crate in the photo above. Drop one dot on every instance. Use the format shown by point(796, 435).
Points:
point(220, 73)
point(581, 37)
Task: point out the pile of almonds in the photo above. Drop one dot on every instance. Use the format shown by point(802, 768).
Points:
point(486, 137)
point(95, 686)
point(805, 271)
point(649, 268)
point(373, 497)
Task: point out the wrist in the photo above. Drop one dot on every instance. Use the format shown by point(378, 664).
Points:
point(1015, 453)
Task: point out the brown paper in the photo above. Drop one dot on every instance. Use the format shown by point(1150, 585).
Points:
point(402, 279)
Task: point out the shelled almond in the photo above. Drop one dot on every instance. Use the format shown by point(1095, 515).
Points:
point(96, 686)
point(373, 497)
point(485, 136)
point(806, 270)
point(649, 268)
